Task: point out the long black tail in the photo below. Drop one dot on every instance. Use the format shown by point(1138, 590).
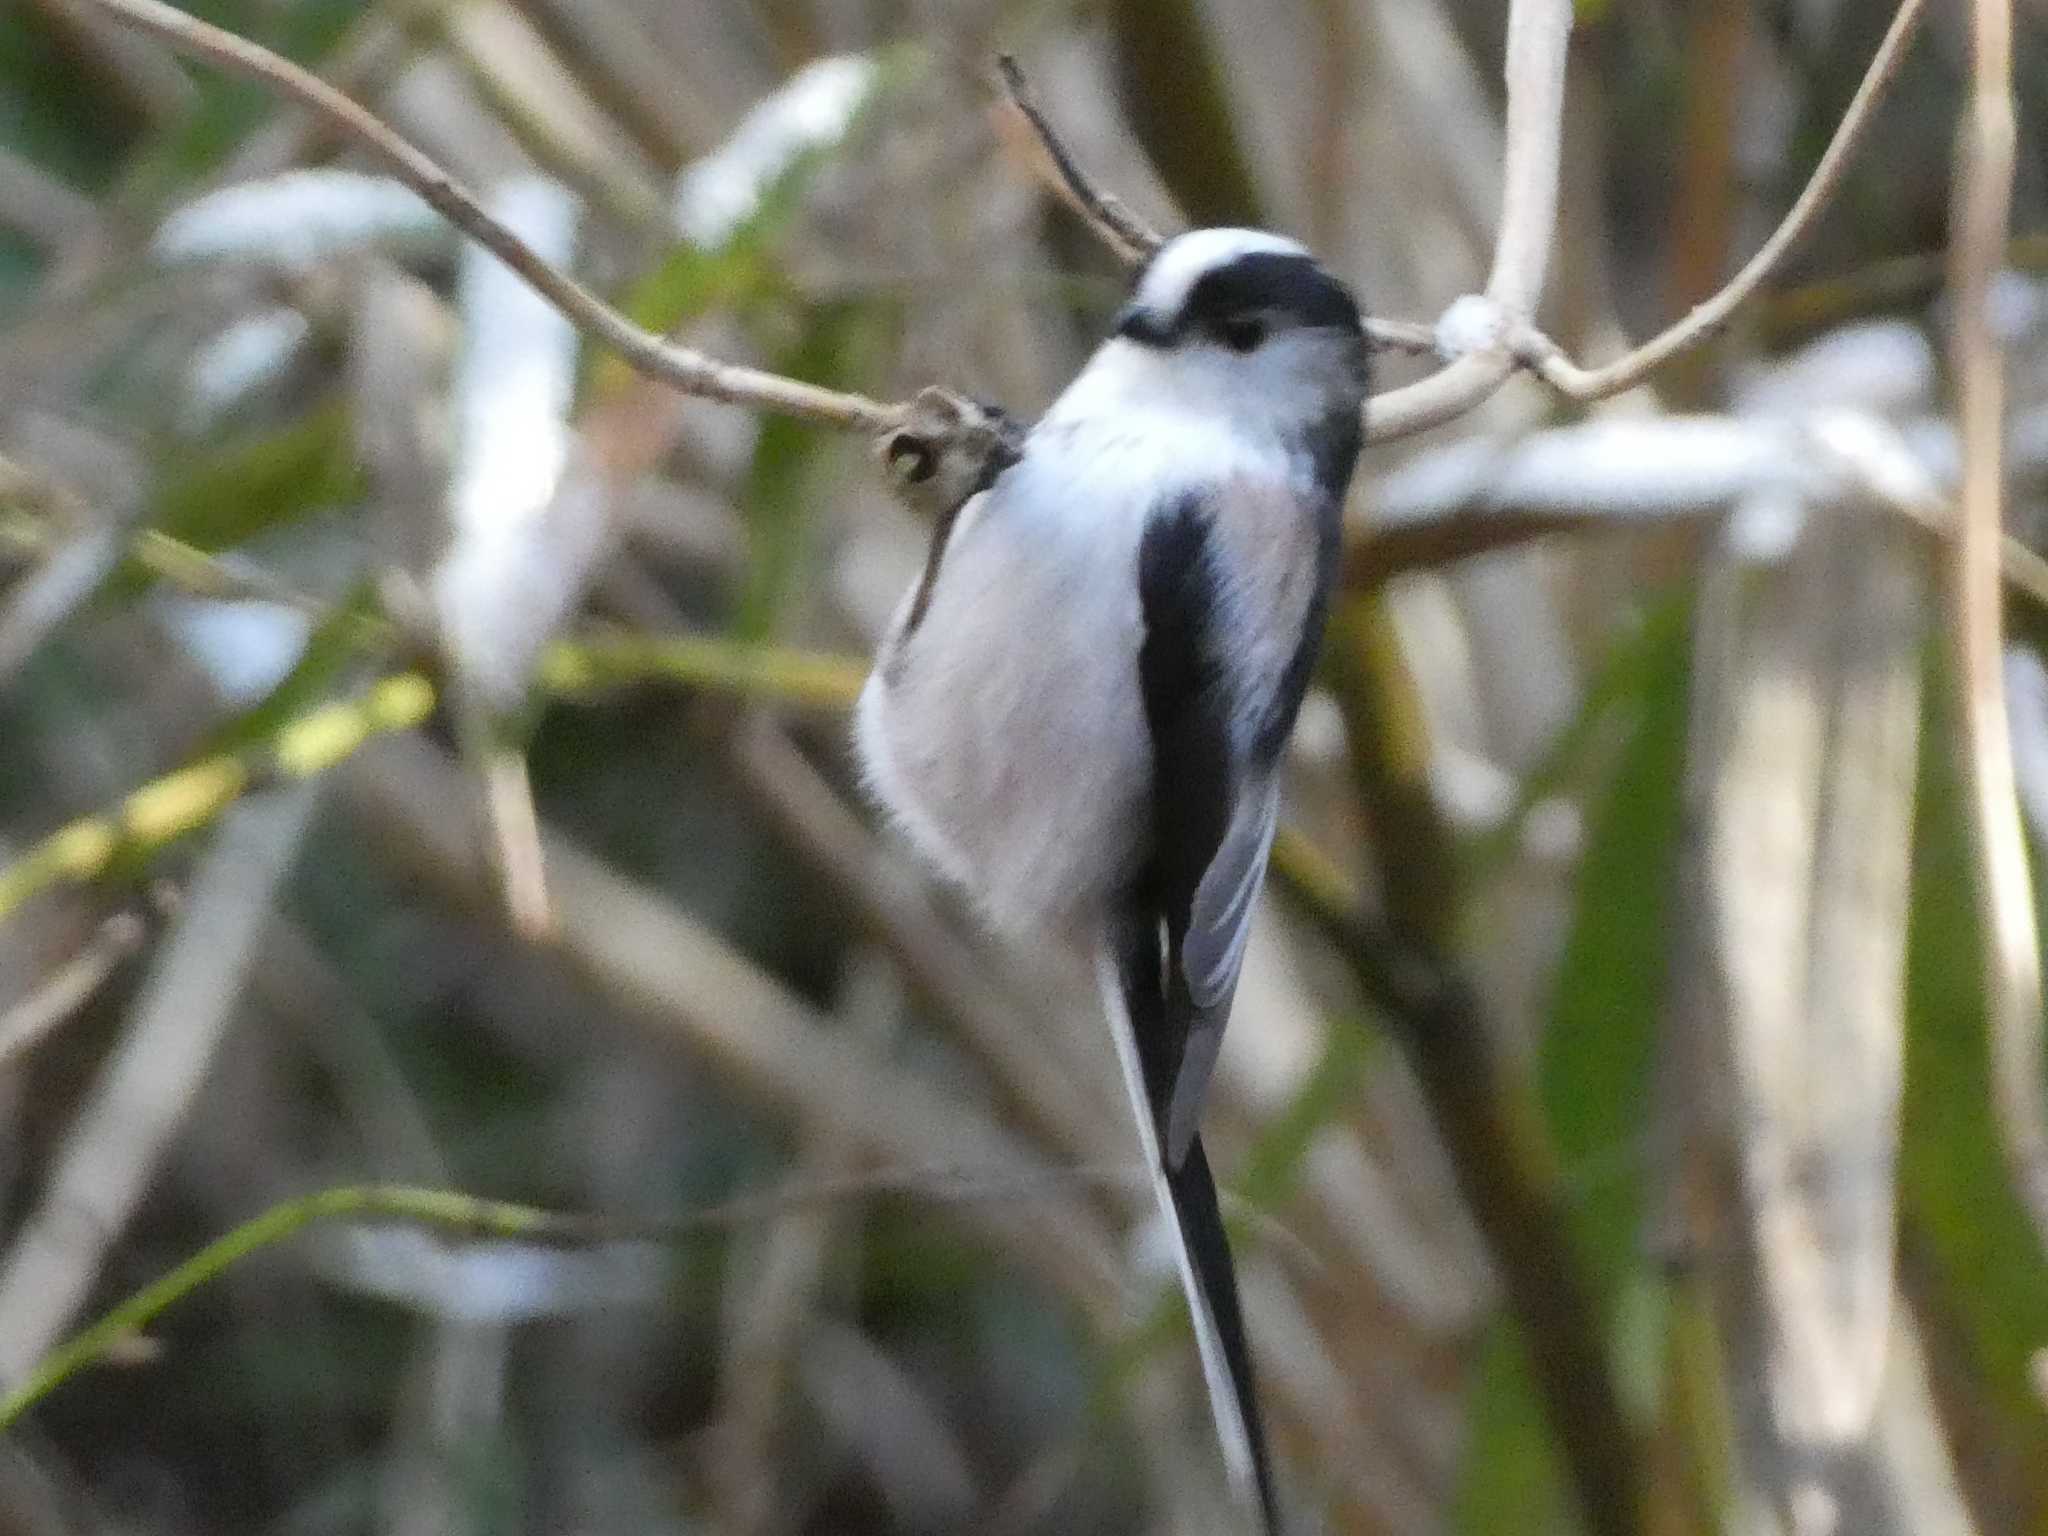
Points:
point(1149, 1051)
point(1208, 1253)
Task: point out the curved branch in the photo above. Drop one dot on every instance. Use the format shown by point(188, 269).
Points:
point(473, 1217)
point(1109, 216)
point(690, 371)
point(1558, 371)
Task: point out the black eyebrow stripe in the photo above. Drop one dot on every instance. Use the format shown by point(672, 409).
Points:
point(1295, 286)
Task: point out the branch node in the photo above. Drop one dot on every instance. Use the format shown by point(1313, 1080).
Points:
point(1474, 323)
point(946, 448)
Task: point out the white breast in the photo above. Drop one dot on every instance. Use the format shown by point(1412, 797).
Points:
point(1007, 733)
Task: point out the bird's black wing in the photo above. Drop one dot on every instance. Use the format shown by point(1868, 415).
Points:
point(1215, 797)
point(1199, 789)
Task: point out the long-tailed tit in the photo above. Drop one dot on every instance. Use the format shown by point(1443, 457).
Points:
point(1078, 713)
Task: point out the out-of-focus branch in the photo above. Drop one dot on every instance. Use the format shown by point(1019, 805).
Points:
point(473, 1218)
point(1506, 1168)
point(2005, 897)
point(689, 371)
point(1172, 74)
point(145, 1087)
point(161, 812)
point(70, 987)
point(1702, 321)
point(764, 674)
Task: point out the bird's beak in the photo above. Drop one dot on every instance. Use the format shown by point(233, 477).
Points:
point(1135, 322)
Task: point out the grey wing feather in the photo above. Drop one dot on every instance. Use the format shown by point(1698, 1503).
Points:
point(1212, 953)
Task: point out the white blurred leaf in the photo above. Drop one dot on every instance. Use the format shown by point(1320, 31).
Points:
point(519, 552)
point(811, 111)
point(297, 218)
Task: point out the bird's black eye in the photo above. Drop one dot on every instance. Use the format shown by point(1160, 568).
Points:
point(1242, 333)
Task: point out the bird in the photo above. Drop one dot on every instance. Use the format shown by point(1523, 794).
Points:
point(1077, 714)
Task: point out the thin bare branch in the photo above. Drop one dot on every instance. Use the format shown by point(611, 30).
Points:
point(687, 370)
point(1113, 222)
point(1443, 397)
point(2005, 897)
point(1703, 320)
point(70, 987)
point(1129, 236)
point(1539, 38)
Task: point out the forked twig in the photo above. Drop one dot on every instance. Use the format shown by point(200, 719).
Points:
point(1703, 320)
point(1538, 35)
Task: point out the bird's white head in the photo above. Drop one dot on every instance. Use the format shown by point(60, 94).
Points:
point(1239, 324)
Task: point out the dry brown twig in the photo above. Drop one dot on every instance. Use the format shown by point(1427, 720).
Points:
point(1117, 226)
point(1486, 338)
point(26, 1023)
point(689, 371)
point(2005, 897)
point(1703, 320)
point(1112, 220)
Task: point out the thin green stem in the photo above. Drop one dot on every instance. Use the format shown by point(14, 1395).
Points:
point(428, 1206)
point(765, 674)
point(474, 1217)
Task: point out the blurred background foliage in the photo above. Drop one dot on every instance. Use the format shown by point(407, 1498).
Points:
point(1669, 1200)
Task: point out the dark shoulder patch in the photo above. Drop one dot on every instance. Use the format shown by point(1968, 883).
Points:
point(1185, 709)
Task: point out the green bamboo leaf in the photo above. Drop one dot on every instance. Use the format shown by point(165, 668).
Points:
point(1594, 1068)
point(780, 498)
point(1272, 1169)
point(1953, 1178)
point(1512, 1479)
point(221, 496)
